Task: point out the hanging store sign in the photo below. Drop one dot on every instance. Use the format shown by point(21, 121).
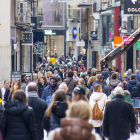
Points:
point(37, 49)
point(137, 45)
point(80, 43)
point(117, 41)
point(27, 39)
point(74, 32)
point(49, 32)
point(128, 41)
point(131, 6)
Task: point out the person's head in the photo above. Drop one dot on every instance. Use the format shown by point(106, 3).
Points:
point(75, 73)
point(129, 71)
point(83, 69)
point(80, 52)
point(21, 96)
point(137, 71)
point(35, 76)
point(57, 68)
point(32, 86)
point(23, 76)
point(53, 81)
point(97, 88)
point(70, 74)
point(121, 85)
point(23, 81)
point(55, 72)
point(118, 90)
point(80, 110)
point(17, 86)
point(81, 81)
point(41, 80)
point(60, 95)
point(133, 77)
point(114, 76)
point(117, 70)
point(93, 73)
point(91, 80)
point(40, 69)
point(49, 74)
point(83, 76)
point(89, 72)
point(63, 86)
point(78, 94)
point(99, 77)
point(79, 69)
point(6, 84)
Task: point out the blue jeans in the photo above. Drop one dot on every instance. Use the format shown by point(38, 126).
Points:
point(135, 103)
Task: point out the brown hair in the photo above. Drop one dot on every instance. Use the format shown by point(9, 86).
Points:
point(91, 80)
point(97, 88)
point(76, 110)
point(82, 97)
point(12, 87)
point(60, 95)
point(21, 96)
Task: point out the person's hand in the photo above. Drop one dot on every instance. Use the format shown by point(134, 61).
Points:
point(131, 134)
point(106, 138)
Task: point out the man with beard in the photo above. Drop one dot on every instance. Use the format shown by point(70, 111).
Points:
point(49, 90)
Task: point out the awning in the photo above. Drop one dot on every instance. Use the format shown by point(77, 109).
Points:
point(128, 46)
point(108, 12)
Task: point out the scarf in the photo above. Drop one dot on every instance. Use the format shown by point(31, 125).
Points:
point(32, 94)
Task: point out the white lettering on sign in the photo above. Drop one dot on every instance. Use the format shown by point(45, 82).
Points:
point(133, 10)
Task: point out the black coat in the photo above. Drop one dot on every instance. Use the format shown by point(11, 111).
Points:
point(40, 89)
point(1, 110)
point(39, 107)
point(6, 96)
point(119, 119)
point(58, 112)
point(17, 122)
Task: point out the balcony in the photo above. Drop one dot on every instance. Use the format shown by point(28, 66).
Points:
point(74, 14)
point(40, 17)
point(23, 13)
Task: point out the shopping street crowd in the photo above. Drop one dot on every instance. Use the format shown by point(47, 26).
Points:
point(71, 102)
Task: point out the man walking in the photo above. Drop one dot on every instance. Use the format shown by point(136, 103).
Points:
point(39, 107)
point(119, 118)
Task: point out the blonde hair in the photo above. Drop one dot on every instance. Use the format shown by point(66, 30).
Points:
point(80, 110)
point(91, 80)
point(50, 73)
point(60, 95)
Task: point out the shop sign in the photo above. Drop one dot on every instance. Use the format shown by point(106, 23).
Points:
point(131, 6)
point(128, 41)
point(49, 32)
point(37, 49)
point(16, 75)
point(74, 32)
point(27, 39)
point(118, 41)
point(80, 43)
point(137, 45)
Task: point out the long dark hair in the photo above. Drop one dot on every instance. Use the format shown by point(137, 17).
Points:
point(60, 95)
point(133, 77)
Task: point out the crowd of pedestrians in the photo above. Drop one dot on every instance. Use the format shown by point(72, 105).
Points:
point(70, 102)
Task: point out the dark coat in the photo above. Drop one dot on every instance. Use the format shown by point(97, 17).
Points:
point(113, 84)
point(1, 110)
point(7, 92)
point(58, 112)
point(71, 85)
point(79, 57)
point(131, 84)
point(105, 88)
point(17, 122)
point(40, 89)
point(127, 75)
point(47, 94)
point(138, 77)
point(105, 74)
point(60, 74)
point(119, 119)
point(39, 107)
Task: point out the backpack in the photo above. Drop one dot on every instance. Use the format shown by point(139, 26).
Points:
point(135, 92)
point(97, 114)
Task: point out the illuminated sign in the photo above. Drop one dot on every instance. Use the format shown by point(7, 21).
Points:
point(131, 6)
point(49, 32)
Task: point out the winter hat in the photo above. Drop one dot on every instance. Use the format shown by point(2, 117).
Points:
point(79, 90)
